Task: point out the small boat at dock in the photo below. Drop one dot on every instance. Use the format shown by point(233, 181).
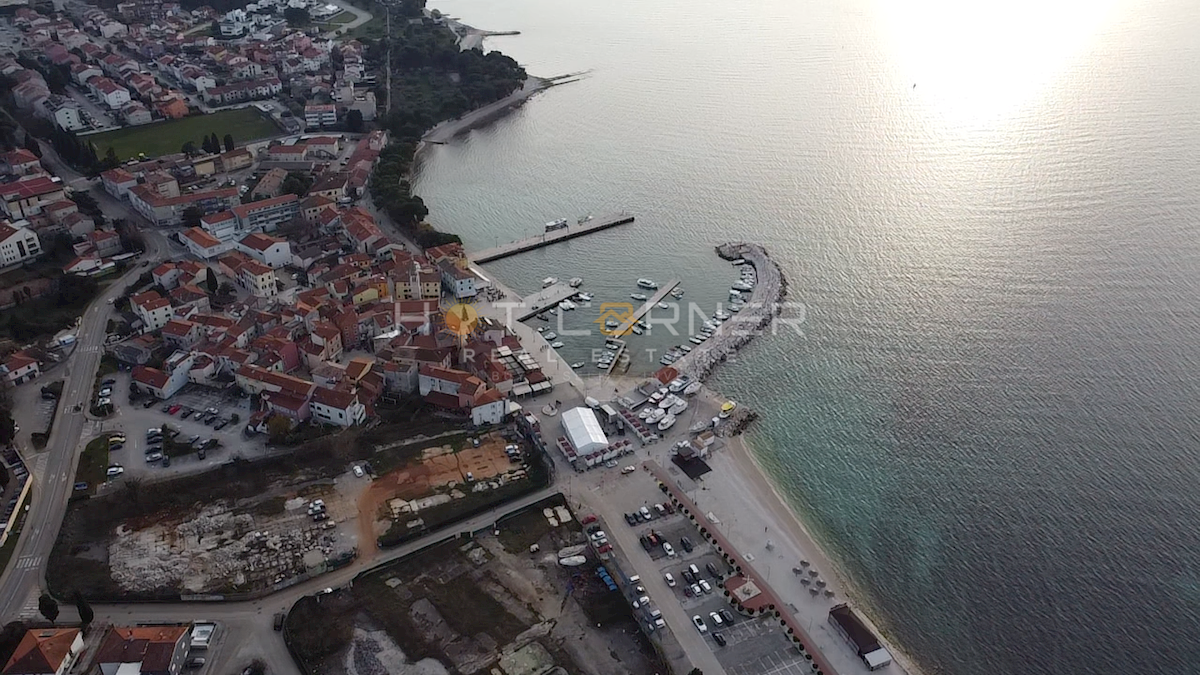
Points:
point(560, 224)
point(575, 282)
point(550, 335)
point(637, 330)
point(567, 305)
point(695, 340)
point(585, 297)
point(666, 422)
point(549, 281)
point(647, 283)
point(655, 415)
point(556, 344)
point(638, 296)
point(677, 293)
point(663, 305)
point(577, 365)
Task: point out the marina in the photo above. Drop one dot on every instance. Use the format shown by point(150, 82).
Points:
point(561, 232)
point(662, 292)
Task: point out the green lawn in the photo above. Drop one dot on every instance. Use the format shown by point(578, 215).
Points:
point(246, 124)
point(93, 464)
point(373, 29)
point(343, 17)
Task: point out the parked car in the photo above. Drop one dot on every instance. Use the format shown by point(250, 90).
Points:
point(153, 457)
point(719, 639)
point(588, 519)
point(174, 409)
point(166, 461)
point(80, 487)
point(668, 549)
point(108, 381)
point(166, 408)
point(195, 662)
point(704, 585)
point(728, 616)
point(279, 617)
point(712, 570)
point(699, 624)
point(114, 471)
point(221, 425)
point(106, 391)
point(716, 619)
point(113, 447)
point(187, 412)
point(148, 403)
point(669, 579)
point(686, 544)
point(604, 549)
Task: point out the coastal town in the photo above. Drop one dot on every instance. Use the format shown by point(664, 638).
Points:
point(263, 418)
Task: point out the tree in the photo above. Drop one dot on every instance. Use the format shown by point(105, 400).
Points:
point(296, 16)
point(229, 145)
point(188, 148)
point(354, 121)
point(296, 183)
point(210, 281)
point(191, 216)
point(48, 606)
point(111, 161)
point(32, 145)
point(278, 427)
point(85, 610)
point(7, 426)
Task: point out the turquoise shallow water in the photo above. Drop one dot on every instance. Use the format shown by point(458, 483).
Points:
point(990, 417)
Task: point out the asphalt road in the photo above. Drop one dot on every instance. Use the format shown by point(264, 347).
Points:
point(55, 475)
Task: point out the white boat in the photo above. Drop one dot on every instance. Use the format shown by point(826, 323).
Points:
point(541, 329)
point(647, 283)
point(575, 282)
point(677, 293)
point(559, 224)
point(586, 297)
point(637, 330)
point(567, 305)
point(739, 261)
point(667, 402)
point(556, 345)
point(611, 323)
point(549, 281)
point(655, 415)
point(663, 305)
point(736, 307)
point(700, 426)
point(721, 315)
point(666, 423)
point(577, 365)
point(645, 412)
point(584, 219)
point(686, 349)
point(679, 383)
point(550, 335)
point(743, 286)
point(668, 359)
point(692, 388)
point(657, 396)
point(679, 407)
point(638, 296)
point(695, 339)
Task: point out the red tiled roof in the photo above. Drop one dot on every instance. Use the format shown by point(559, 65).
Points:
point(246, 210)
point(152, 646)
point(42, 650)
point(260, 242)
point(333, 398)
point(152, 377)
point(201, 238)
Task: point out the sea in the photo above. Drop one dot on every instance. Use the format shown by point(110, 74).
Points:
point(989, 217)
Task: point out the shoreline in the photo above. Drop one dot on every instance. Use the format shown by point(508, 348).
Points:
point(445, 131)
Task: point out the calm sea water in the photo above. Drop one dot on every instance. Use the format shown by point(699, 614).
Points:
point(991, 214)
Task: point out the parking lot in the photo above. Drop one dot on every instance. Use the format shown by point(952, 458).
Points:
point(753, 646)
point(134, 419)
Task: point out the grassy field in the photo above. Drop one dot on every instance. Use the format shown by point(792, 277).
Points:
point(246, 124)
point(93, 464)
point(343, 17)
point(373, 29)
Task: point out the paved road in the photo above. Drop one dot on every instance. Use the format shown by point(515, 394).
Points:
point(363, 17)
point(54, 468)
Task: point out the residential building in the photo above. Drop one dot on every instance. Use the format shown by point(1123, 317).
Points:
point(143, 650)
point(167, 275)
point(164, 384)
point(45, 651)
point(110, 93)
point(168, 211)
point(64, 112)
point(270, 185)
point(18, 244)
point(181, 334)
point(26, 197)
point(258, 279)
point(316, 116)
point(267, 214)
point(118, 182)
point(153, 309)
point(105, 243)
point(458, 280)
point(202, 244)
point(270, 251)
point(18, 368)
point(20, 162)
point(337, 407)
point(136, 114)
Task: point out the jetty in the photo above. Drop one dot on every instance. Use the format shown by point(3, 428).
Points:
point(638, 313)
point(552, 237)
point(545, 299)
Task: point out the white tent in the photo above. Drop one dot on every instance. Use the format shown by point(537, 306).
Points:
point(583, 430)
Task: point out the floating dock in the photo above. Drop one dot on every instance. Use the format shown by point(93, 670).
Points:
point(548, 238)
point(623, 329)
point(544, 300)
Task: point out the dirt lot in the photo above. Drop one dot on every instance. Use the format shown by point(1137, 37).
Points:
point(474, 606)
point(442, 478)
point(243, 527)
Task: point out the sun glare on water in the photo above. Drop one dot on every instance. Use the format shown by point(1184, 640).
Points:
point(978, 61)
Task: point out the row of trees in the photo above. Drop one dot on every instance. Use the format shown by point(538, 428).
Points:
point(433, 80)
point(210, 145)
point(82, 154)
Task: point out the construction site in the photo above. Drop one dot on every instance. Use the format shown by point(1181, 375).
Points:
point(497, 603)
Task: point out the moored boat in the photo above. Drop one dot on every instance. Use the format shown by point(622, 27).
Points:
point(575, 282)
point(692, 388)
point(556, 344)
point(638, 296)
point(647, 283)
point(679, 407)
point(549, 281)
point(577, 365)
point(666, 422)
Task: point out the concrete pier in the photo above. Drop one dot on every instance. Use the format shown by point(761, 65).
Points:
point(545, 299)
point(623, 329)
point(548, 238)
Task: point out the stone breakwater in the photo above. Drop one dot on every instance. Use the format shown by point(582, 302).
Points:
point(760, 310)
